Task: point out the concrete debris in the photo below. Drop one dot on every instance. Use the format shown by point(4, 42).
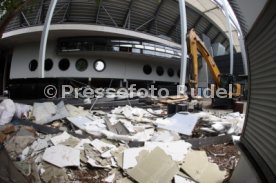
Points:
point(16, 144)
point(227, 123)
point(202, 170)
point(54, 174)
point(125, 144)
point(155, 166)
point(62, 156)
point(23, 167)
point(177, 150)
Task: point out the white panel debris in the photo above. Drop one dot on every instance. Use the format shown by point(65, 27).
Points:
point(130, 156)
point(181, 123)
point(60, 138)
point(62, 156)
point(94, 163)
point(177, 150)
point(92, 127)
point(102, 146)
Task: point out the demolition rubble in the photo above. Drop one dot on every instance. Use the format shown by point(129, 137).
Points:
point(161, 142)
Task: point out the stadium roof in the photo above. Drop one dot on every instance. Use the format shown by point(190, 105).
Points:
point(156, 17)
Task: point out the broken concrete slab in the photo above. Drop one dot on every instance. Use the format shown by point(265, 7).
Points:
point(183, 123)
point(197, 166)
point(54, 174)
point(157, 166)
point(62, 156)
point(24, 167)
point(17, 144)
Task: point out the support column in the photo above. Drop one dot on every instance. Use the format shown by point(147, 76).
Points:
point(244, 56)
point(230, 36)
point(44, 38)
point(183, 25)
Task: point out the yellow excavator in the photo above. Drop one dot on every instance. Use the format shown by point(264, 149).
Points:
point(226, 81)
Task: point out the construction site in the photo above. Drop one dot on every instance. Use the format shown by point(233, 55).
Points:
point(146, 91)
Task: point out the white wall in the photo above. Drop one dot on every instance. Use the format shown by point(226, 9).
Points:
point(119, 66)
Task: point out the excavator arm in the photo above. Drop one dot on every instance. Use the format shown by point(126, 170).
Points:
point(197, 45)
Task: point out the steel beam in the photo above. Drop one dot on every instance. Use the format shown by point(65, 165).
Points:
point(157, 11)
point(44, 38)
point(208, 28)
point(215, 38)
point(183, 23)
point(197, 21)
point(127, 16)
point(111, 18)
point(38, 16)
point(176, 22)
point(230, 35)
point(98, 11)
point(24, 17)
point(244, 56)
point(226, 48)
point(225, 39)
point(144, 24)
point(65, 16)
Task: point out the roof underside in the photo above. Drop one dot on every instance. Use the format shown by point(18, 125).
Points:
point(156, 17)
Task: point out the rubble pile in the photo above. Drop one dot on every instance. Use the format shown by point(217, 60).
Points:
point(65, 143)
